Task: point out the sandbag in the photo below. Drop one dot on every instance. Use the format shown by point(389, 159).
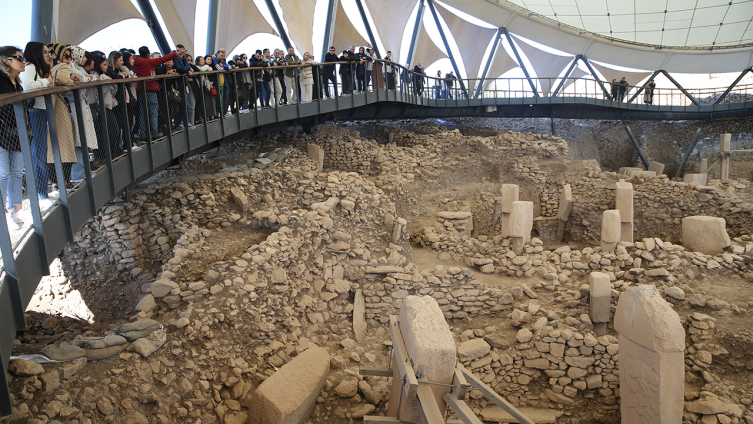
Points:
point(100, 354)
point(148, 345)
point(138, 329)
point(64, 354)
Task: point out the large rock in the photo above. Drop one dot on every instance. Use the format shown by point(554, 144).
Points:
point(600, 295)
point(239, 198)
point(652, 372)
point(429, 342)
point(359, 320)
point(696, 178)
point(473, 349)
point(289, 395)
point(610, 226)
point(163, 287)
point(24, 368)
point(566, 203)
point(705, 234)
point(521, 220)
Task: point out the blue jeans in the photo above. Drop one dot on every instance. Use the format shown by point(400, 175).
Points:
point(152, 106)
point(11, 175)
point(38, 146)
point(78, 172)
point(368, 80)
point(266, 93)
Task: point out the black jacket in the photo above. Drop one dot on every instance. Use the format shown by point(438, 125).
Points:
point(330, 69)
point(8, 130)
point(345, 68)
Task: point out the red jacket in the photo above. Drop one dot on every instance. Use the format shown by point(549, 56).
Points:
point(145, 68)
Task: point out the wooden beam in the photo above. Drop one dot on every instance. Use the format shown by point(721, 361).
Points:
point(427, 401)
point(461, 408)
point(375, 372)
point(461, 385)
point(404, 366)
point(373, 419)
point(493, 396)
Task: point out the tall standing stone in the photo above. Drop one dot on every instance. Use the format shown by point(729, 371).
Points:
point(704, 166)
point(600, 297)
point(610, 230)
point(725, 141)
point(398, 230)
point(359, 315)
point(652, 369)
point(521, 224)
point(508, 194)
point(429, 342)
point(563, 214)
point(316, 153)
point(624, 203)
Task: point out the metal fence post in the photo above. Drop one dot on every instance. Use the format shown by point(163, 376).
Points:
point(54, 143)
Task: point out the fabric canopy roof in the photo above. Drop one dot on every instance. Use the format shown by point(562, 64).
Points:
point(238, 20)
point(574, 76)
point(390, 22)
point(548, 66)
point(75, 18)
point(299, 16)
point(346, 34)
point(503, 63)
point(472, 40)
point(633, 78)
point(426, 51)
point(179, 17)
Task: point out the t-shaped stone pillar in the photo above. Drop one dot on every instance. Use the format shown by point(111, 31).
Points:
point(509, 193)
point(430, 344)
point(566, 204)
point(652, 369)
point(521, 223)
point(725, 141)
point(398, 229)
point(624, 203)
point(610, 230)
point(600, 296)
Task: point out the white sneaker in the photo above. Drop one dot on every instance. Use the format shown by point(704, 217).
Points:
point(15, 217)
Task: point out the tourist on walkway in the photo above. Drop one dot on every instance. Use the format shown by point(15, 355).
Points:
point(389, 72)
point(648, 96)
point(328, 72)
point(418, 75)
point(144, 66)
point(277, 75)
point(623, 89)
point(614, 89)
point(37, 75)
point(346, 72)
point(290, 75)
point(307, 77)
point(12, 63)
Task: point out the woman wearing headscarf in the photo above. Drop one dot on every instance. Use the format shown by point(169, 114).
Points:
point(65, 116)
point(112, 136)
point(38, 75)
point(133, 99)
point(82, 62)
point(207, 83)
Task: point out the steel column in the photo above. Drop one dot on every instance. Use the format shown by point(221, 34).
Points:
point(372, 40)
point(489, 61)
point(154, 26)
point(55, 145)
point(677, 84)
point(87, 167)
point(414, 38)
point(635, 145)
point(593, 73)
point(742, 74)
point(212, 24)
point(329, 31)
point(640, 89)
point(447, 46)
point(520, 62)
point(278, 24)
point(554, 128)
point(697, 136)
point(105, 130)
point(567, 74)
point(41, 21)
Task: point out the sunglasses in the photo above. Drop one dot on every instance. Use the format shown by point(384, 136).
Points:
point(66, 56)
point(18, 57)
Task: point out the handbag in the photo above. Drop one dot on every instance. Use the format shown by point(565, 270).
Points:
point(213, 91)
point(174, 95)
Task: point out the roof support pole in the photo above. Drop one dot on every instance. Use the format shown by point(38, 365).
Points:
point(212, 25)
point(635, 145)
point(640, 89)
point(697, 136)
point(742, 74)
point(278, 24)
point(447, 46)
point(489, 61)
point(154, 26)
point(329, 29)
point(596, 77)
point(372, 40)
point(677, 84)
point(564, 78)
point(520, 62)
point(41, 21)
point(416, 29)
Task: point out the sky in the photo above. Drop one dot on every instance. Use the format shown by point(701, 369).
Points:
point(16, 31)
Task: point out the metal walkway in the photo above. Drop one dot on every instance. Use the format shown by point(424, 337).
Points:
point(398, 96)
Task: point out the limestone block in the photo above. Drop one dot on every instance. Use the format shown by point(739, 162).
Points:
point(704, 165)
point(725, 141)
point(473, 349)
point(705, 234)
point(566, 203)
point(624, 200)
point(429, 342)
point(651, 362)
point(398, 229)
point(699, 178)
point(359, 311)
point(611, 227)
point(239, 198)
point(289, 395)
point(629, 170)
point(600, 295)
point(317, 153)
point(163, 287)
point(521, 220)
point(656, 167)
point(510, 193)
point(626, 231)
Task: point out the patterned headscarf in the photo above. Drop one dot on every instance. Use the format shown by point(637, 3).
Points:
point(77, 53)
point(56, 52)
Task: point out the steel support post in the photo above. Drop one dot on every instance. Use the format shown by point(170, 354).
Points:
point(41, 21)
point(278, 24)
point(57, 160)
point(520, 62)
point(87, 167)
point(564, 78)
point(489, 62)
point(593, 73)
point(697, 136)
point(677, 84)
point(329, 29)
point(640, 89)
point(635, 145)
point(372, 40)
point(416, 29)
point(739, 78)
point(212, 25)
point(154, 26)
point(447, 47)
point(554, 127)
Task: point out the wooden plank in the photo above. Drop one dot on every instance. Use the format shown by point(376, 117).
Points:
point(401, 358)
point(428, 404)
point(461, 408)
point(461, 385)
point(493, 396)
point(375, 372)
point(373, 419)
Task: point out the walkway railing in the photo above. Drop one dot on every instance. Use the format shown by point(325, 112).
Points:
point(82, 145)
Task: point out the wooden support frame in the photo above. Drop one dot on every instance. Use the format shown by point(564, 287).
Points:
point(493, 396)
point(462, 409)
point(404, 366)
point(428, 403)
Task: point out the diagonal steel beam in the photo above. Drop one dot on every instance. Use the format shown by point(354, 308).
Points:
point(640, 89)
point(212, 25)
point(677, 84)
point(489, 61)
point(596, 77)
point(329, 29)
point(154, 26)
point(416, 29)
point(697, 136)
point(365, 20)
point(742, 74)
point(635, 145)
point(278, 24)
point(447, 46)
point(567, 74)
point(520, 62)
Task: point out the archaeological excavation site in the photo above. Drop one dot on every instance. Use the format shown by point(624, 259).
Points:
point(465, 270)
